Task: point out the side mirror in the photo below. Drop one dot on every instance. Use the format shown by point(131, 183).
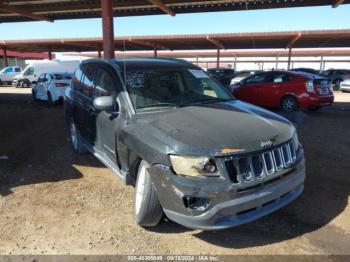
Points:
point(106, 103)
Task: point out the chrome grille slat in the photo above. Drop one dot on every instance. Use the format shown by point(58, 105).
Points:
point(268, 163)
point(249, 168)
point(277, 157)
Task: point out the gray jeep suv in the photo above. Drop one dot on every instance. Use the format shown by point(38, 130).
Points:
point(191, 150)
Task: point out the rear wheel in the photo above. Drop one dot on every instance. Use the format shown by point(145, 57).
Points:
point(289, 104)
point(147, 209)
point(75, 139)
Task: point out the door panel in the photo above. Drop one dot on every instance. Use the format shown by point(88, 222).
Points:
point(107, 124)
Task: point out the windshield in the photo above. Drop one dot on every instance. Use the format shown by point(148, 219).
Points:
point(172, 88)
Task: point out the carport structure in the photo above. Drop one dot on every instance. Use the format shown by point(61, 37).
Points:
point(50, 10)
point(219, 42)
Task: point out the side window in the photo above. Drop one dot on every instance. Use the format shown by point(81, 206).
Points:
point(29, 71)
point(48, 78)
point(8, 70)
point(76, 79)
point(87, 84)
point(259, 78)
point(41, 78)
point(105, 85)
point(17, 69)
point(281, 77)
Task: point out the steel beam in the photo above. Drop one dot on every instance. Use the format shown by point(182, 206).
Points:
point(108, 30)
point(25, 13)
point(293, 40)
point(162, 7)
point(337, 3)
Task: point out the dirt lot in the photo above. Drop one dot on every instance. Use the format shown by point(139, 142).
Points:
point(54, 202)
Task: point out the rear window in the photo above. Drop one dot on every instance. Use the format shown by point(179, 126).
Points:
point(62, 76)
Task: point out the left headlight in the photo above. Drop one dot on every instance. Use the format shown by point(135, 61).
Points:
point(193, 166)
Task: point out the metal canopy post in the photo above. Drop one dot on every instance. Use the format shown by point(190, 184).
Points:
point(5, 56)
point(50, 53)
point(289, 58)
point(108, 30)
point(218, 59)
point(99, 54)
point(155, 50)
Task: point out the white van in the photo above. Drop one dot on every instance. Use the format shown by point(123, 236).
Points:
point(31, 73)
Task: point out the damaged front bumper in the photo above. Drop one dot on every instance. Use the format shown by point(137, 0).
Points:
point(217, 203)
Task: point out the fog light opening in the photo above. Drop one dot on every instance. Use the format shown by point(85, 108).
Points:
point(196, 203)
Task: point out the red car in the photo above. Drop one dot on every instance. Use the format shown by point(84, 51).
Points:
point(286, 90)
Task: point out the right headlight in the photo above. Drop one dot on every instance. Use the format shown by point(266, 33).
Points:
point(193, 166)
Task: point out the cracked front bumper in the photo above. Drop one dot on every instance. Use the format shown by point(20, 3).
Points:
point(228, 207)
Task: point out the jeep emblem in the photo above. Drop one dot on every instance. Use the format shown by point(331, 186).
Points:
point(266, 144)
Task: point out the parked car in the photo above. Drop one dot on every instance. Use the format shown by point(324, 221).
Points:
point(306, 70)
point(31, 73)
point(7, 74)
point(223, 75)
point(345, 86)
point(239, 76)
point(336, 75)
point(286, 90)
point(191, 150)
point(51, 87)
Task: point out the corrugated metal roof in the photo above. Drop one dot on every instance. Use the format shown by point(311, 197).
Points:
point(65, 9)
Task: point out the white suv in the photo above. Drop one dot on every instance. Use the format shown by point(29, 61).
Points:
point(8, 74)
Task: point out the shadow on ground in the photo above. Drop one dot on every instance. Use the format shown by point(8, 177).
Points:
point(35, 139)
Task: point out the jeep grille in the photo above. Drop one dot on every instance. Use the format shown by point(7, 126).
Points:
point(262, 164)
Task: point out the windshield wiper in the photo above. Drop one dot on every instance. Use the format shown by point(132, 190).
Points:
point(207, 101)
point(158, 105)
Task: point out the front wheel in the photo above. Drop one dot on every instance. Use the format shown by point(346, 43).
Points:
point(24, 84)
point(289, 104)
point(35, 98)
point(50, 102)
point(337, 83)
point(147, 209)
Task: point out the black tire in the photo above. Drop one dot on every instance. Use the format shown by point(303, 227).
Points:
point(35, 99)
point(24, 84)
point(314, 108)
point(49, 99)
point(147, 209)
point(75, 139)
point(337, 83)
point(289, 104)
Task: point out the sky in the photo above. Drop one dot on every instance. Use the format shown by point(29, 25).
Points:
point(308, 18)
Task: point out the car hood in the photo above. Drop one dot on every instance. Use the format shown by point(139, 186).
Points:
point(223, 128)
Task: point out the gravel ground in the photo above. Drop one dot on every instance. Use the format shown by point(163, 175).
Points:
point(54, 202)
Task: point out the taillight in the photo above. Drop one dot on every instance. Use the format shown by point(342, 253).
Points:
point(309, 86)
point(61, 84)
